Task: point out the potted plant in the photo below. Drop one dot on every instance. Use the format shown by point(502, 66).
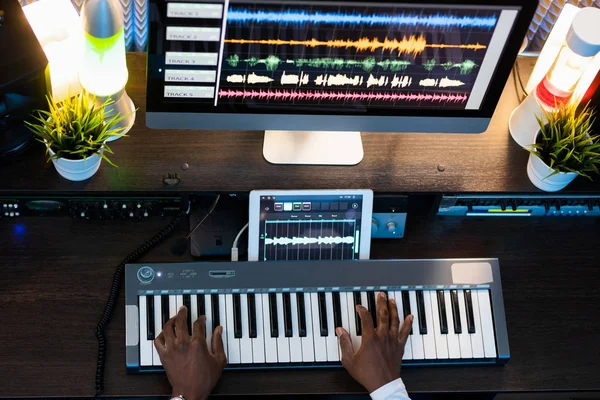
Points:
point(564, 148)
point(75, 134)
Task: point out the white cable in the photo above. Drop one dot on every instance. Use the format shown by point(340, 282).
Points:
point(234, 248)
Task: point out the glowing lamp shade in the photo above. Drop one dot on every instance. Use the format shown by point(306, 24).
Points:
point(103, 71)
point(561, 79)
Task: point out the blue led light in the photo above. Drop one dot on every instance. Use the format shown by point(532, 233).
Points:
point(243, 15)
point(19, 230)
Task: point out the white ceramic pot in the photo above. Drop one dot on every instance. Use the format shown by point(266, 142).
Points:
point(539, 174)
point(77, 170)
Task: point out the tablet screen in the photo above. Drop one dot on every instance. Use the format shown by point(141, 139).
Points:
point(310, 227)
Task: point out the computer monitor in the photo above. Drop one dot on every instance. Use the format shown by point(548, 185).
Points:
point(313, 74)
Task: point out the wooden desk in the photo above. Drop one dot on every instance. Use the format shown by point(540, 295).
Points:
point(232, 160)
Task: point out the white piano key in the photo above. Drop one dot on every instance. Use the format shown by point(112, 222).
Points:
point(224, 323)
point(245, 341)
point(145, 344)
point(157, 327)
point(441, 342)
point(452, 337)
point(295, 340)
point(352, 322)
point(179, 302)
point(320, 341)
point(270, 342)
point(364, 301)
point(308, 344)
point(172, 306)
point(408, 347)
point(429, 338)
point(416, 340)
point(209, 323)
point(345, 317)
point(333, 353)
point(258, 343)
point(233, 344)
point(466, 350)
point(283, 343)
point(487, 324)
point(193, 309)
point(477, 337)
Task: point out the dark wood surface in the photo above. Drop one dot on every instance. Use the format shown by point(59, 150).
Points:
point(56, 273)
point(232, 160)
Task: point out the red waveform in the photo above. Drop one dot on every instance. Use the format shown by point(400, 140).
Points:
point(410, 45)
point(291, 95)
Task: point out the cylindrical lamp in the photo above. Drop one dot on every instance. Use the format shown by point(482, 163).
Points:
point(103, 71)
point(577, 52)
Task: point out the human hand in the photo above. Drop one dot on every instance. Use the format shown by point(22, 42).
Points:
point(192, 369)
point(378, 360)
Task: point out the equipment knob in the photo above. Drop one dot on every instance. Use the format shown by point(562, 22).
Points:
point(374, 226)
point(391, 226)
point(145, 274)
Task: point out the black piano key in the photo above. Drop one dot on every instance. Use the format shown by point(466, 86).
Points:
point(301, 314)
point(337, 310)
point(216, 317)
point(442, 312)
point(252, 315)
point(406, 306)
point(150, 317)
point(470, 317)
point(201, 306)
point(455, 311)
point(187, 301)
point(287, 315)
point(273, 315)
point(164, 308)
point(421, 311)
point(237, 316)
point(356, 296)
point(323, 314)
point(372, 307)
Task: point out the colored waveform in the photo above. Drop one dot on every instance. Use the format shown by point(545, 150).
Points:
point(292, 95)
point(310, 240)
point(403, 81)
point(338, 80)
point(252, 79)
point(464, 67)
point(411, 45)
point(373, 81)
point(273, 62)
point(428, 82)
point(446, 82)
point(301, 79)
point(289, 16)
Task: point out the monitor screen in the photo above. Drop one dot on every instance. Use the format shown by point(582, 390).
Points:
point(352, 58)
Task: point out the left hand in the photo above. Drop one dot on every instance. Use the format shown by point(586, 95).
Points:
point(192, 369)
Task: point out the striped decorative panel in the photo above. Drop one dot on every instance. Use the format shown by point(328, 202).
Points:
point(135, 13)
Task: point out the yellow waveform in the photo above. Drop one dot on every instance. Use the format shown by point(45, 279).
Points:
point(428, 82)
point(402, 81)
point(411, 45)
point(446, 82)
point(338, 80)
point(253, 78)
point(301, 79)
point(236, 79)
point(372, 81)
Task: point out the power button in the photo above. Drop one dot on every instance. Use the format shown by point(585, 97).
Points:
point(145, 274)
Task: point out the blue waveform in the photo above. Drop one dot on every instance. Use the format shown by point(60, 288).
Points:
point(245, 16)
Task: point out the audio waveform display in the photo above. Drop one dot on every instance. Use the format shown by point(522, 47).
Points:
point(403, 81)
point(272, 63)
point(299, 17)
point(285, 241)
point(292, 79)
point(297, 95)
point(465, 67)
point(338, 80)
point(407, 45)
point(251, 79)
point(442, 83)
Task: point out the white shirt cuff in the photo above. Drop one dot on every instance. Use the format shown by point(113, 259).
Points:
point(395, 390)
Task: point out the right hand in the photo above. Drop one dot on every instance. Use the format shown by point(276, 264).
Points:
point(192, 369)
point(379, 358)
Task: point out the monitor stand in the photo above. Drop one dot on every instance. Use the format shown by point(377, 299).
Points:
point(313, 147)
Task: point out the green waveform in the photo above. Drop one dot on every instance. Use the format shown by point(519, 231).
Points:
point(465, 67)
point(368, 64)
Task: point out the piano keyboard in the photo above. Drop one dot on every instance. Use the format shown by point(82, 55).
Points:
point(284, 314)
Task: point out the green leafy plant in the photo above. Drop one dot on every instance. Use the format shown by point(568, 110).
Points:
point(565, 141)
point(76, 128)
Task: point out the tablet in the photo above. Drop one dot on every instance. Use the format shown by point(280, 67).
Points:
point(309, 224)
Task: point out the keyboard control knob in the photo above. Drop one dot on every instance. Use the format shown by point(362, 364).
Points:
point(145, 274)
point(391, 226)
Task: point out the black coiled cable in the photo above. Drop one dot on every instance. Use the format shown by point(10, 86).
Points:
point(114, 293)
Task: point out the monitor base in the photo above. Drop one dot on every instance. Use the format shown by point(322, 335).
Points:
point(313, 147)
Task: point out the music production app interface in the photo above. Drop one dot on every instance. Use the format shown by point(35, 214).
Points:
point(239, 56)
point(310, 227)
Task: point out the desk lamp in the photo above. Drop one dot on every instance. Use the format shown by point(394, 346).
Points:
point(103, 71)
point(563, 72)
